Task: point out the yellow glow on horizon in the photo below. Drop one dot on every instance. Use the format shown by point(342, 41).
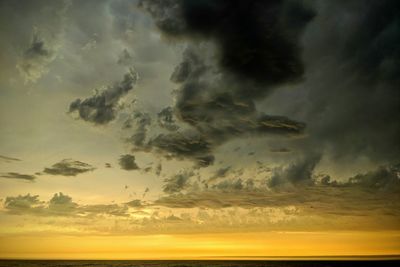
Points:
point(195, 246)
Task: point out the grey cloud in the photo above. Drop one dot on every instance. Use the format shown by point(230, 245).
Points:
point(298, 173)
point(127, 162)
point(16, 175)
point(68, 167)
point(101, 108)
point(380, 188)
point(218, 86)
point(177, 183)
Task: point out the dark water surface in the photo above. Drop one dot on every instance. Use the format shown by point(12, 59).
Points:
point(198, 263)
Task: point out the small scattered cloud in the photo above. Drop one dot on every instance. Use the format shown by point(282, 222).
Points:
point(127, 162)
point(69, 167)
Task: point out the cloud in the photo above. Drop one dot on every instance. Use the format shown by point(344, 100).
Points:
point(217, 85)
point(8, 159)
point(184, 145)
point(69, 167)
point(142, 121)
point(384, 178)
point(166, 119)
point(125, 58)
point(177, 183)
point(16, 175)
point(34, 61)
point(101, 108)
point(134, 203)
point(299, 173)
point(127, 162)
point(61, 204)
point(351, 105)
point(280, 150)
point(220, 173)
point(294, 185)
point(265, 33)
point(22, 204)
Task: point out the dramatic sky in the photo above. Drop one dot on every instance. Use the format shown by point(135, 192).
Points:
point(203, 128)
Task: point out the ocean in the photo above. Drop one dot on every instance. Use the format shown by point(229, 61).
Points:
point(199, 263)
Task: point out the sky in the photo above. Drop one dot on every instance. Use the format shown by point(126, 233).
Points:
point(194, 129)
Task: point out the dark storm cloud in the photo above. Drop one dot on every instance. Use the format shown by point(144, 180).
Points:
point(101, 108)
point(255, 49)
point(16, 175)
point(353, 103)
point(257, 39)
point(8, 159)
point(69, 167)
point(127, 162)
